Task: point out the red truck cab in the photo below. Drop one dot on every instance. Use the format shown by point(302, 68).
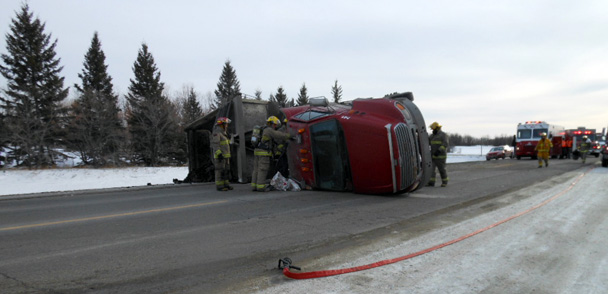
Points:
point(372, 146)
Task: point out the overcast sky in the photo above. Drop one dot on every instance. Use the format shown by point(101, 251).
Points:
point(476, 67)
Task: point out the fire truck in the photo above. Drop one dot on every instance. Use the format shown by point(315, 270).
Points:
point(577, 137)
point(372, 146)
point(528, 135)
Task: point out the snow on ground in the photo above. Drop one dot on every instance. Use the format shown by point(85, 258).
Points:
point(20, 181)
point(558, 248)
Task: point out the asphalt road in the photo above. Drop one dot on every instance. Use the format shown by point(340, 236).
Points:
point(193, 239)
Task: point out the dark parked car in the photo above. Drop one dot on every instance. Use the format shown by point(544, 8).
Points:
point(500, 152)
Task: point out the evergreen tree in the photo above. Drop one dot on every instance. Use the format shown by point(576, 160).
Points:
point(32, 100)
point(281, 98)
point(150, 115)
point(303, 95)
point(258, 94)
point(336, 92)
point(95, 128)
point(228, 87)
point(191, 108)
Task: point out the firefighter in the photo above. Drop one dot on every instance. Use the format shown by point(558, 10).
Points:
point(280, 153)
point(220, 146)
point(584, 148)
point(543, 147)
point(263, 154)
point(569, 146)
point(439, 152)
point(564, 147)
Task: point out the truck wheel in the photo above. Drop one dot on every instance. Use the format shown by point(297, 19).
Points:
point(605, 162)
point(518, 157)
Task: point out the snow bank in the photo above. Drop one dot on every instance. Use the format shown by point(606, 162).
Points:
point(15, 181)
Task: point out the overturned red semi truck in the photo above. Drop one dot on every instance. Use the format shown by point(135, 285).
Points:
point(366, 146)
point(369, 145)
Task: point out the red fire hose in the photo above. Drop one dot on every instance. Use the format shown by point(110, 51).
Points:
point(286, 264)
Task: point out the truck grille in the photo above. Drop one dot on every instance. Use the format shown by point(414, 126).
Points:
point(408, 162)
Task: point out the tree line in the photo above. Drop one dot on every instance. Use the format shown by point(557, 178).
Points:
point(36, 120)
point(147, 129)
point(466, 140)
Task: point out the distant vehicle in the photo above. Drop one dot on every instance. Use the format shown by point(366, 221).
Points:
point(371, 146)
point(528, 135)
point(605, 156)
point(500, 152)
point(578, 134)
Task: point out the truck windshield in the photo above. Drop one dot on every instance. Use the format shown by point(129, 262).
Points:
point(524, 134)
point(537, 133)
point(310, 115)
point(330, 157)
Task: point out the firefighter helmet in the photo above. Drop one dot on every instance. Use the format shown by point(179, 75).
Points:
point(274, 120)
point(585, 137)
point(543, 134)
point(435, 125)
point(222, 121)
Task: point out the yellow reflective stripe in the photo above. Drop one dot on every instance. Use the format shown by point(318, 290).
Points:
point(436, 142)
point(225, 142)
point(218, 152)
point(262, 153)
point(439, 157)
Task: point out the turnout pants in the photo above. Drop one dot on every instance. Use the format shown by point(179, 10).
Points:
point(261, 164)
point(439, 164)
point(222, 172)
point(543, 156)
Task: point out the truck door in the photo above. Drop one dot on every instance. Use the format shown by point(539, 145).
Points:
point(330, 156)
